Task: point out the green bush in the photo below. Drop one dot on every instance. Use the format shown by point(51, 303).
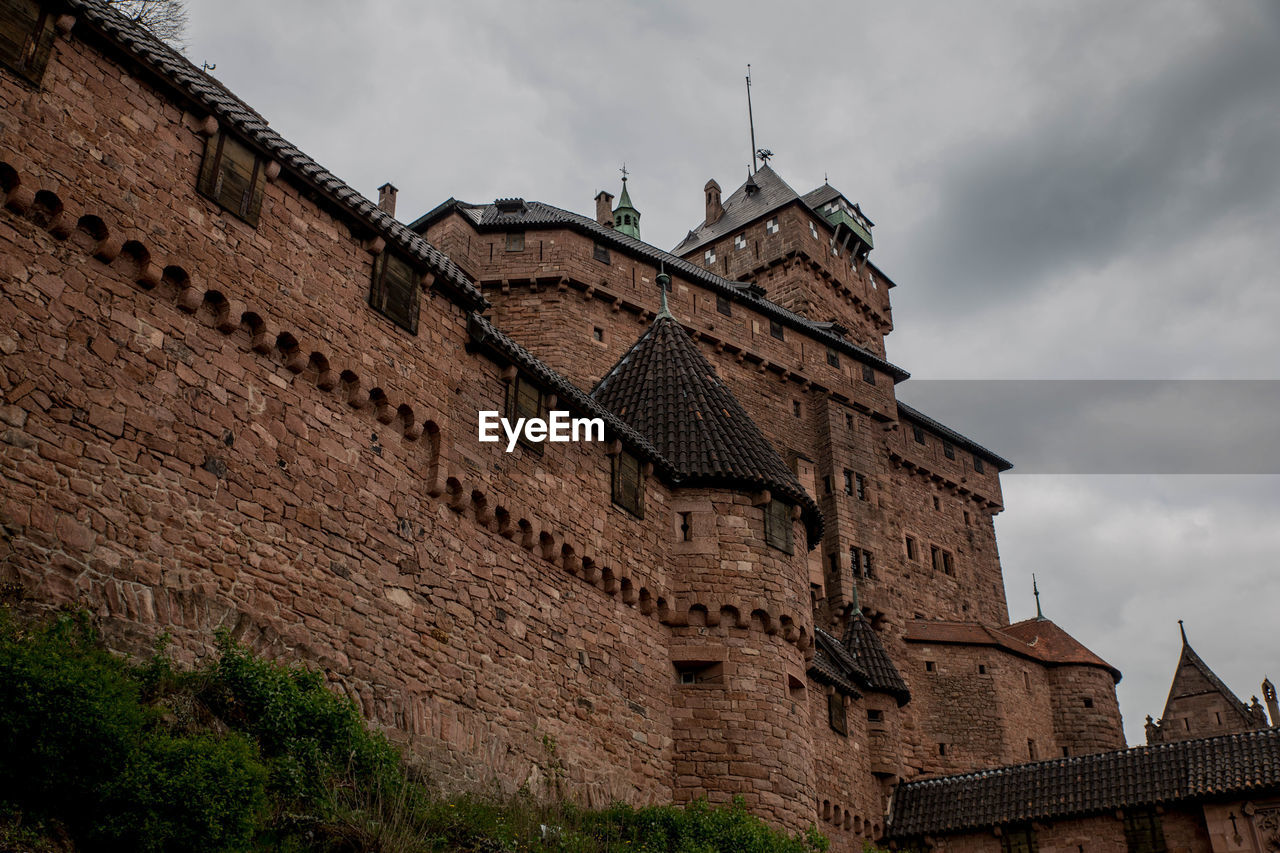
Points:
point(79, 749)
point(307, 735)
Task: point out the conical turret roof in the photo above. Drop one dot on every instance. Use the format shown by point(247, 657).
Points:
point(668, 392)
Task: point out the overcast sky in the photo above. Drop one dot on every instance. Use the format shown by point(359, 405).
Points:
point(1066, 191)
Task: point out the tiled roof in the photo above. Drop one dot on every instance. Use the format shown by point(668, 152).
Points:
point(1044, 641)
point(862, 642)
point(485, 335)
point(743, 207)
point(191, 83)
point(1236, 765)
point(820, 196)
point(1054, 645)
point(832, 665)
point(668, 392)
point(951, 435)
point(534, 214)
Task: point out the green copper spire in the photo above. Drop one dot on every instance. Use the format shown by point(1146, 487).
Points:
point(625, 217)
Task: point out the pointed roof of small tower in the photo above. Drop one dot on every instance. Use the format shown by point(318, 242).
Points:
point(625, 216)
point(863, 644)
point(1193, 677)
point(668, 392)
point(1055, 646)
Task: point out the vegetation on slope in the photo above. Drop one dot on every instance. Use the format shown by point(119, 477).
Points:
point(245, 754)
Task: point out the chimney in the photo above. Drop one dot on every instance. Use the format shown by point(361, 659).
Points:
point(387, 199)
point(604, 209)
point(714, 208)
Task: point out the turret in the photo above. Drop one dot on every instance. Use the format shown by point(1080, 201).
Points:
point(625, 217)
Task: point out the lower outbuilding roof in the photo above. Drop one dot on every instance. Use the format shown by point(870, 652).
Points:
point(1223, 767)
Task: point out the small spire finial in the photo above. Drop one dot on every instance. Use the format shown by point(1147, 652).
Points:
point(624, 172)
point(1036, 591)
point(664, 281)
point(1182, 631)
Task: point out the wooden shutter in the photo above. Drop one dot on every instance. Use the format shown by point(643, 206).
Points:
point(26, 37)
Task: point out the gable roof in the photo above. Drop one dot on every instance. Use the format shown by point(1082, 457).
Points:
point(668, 392)
point(1184, 686)
point(743, 206)
point(174, 72)
point(1227, 766)
point(521, 214)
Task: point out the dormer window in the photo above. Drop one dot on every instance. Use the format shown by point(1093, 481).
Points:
point(740, 241)
point(771, 227)
point(393, 293)
point(777, 525)
point(709, 256)
point(232, 175)
point(26, 38)
point(628, 483)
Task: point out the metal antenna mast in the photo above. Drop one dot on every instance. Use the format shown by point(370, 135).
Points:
point(751, 120)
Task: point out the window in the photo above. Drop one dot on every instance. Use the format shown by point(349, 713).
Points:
point(1031, 749)
point(1143, 832)
point(1018, 839)
point(524, 400)
point(1088, 703)
point(795, 408)
point(771, 227)
point(911, 548)
point(948, 451)
point(232, 175)
point(848, 482)
point(836, 714)
point(935, 557)
point(942, 749)
point(929, 666)
point(686, 527)
point(628, 484)
point(848, 421)
point(597, 334)
point(866, 563)
point(868, 374)
point(515, 241)
point(740, 241)
point(826, 484)
point(860, 486)
point(724, 306)
point(977, 465)
point(393, 293)
point(813, 230)
point(967, 523)
point(947, 565)
point(26, 38)
point(699, 672)
point(982, 669)
point(601, 253)
point(833, 357)
point(917, 434)
point(775, 330)
point(709, 256)
point(875, 715)
point(937, 505)
point(777, 525)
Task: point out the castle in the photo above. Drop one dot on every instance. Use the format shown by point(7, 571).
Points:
point(239, 395)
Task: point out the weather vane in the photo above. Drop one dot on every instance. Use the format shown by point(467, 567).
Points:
point(764, 154)
point(624, 172)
